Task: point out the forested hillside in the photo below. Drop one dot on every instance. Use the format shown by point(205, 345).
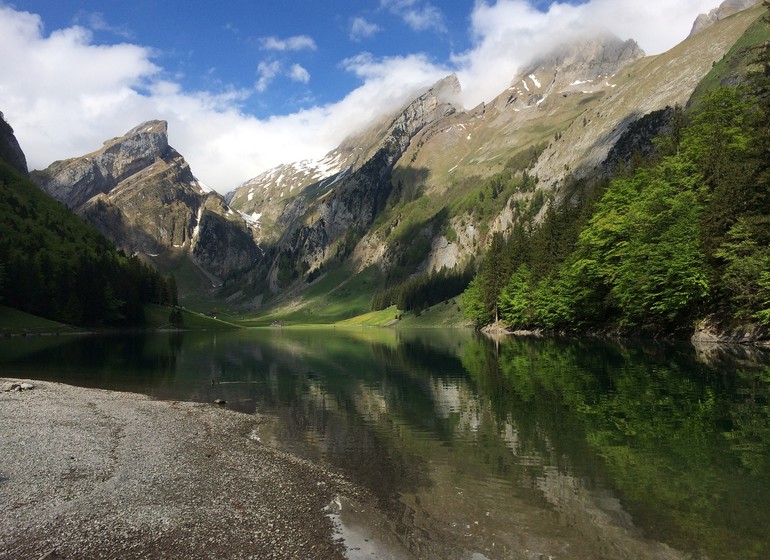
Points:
point(680, 234)
point(54, 265)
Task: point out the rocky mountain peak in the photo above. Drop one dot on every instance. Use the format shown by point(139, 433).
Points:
point(141, 193)
point(440, 101)
point(725, 9)
point(75, 181)
point(582, 66)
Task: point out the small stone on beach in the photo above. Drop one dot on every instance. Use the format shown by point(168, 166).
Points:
point(10, 386)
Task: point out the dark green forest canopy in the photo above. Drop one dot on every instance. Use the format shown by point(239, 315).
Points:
point(680, 236)
point(54, 265)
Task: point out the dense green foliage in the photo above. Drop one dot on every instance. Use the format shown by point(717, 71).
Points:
point(424, 291)
point(55, 266)
point(681, 236)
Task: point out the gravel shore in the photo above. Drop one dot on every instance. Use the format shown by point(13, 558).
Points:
point(86, 473)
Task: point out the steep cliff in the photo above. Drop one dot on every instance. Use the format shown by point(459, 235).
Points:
point(141, 193)
point(322, 220)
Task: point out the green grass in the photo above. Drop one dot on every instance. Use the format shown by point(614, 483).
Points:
point(446, 315)
point(337, 295)
point(382, 318)
point(156, 317)
point(13, 321)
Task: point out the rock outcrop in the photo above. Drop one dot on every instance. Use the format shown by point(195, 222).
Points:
point(726, 9)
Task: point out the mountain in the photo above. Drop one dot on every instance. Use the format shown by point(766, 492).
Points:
point(316, 212)
point(427, 187)
point(54, 265)
point(671, 240)
point(727, 8)
point(141, 193)
point(422, 189)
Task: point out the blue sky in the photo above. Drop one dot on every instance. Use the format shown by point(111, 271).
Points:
point(290, 53)
point(246, 85)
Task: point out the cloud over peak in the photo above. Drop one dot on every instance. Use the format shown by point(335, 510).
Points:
point(64, 94)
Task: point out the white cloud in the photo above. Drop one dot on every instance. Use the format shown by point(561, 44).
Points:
point(296, 43)
point(65, 95)
point(417, 14)
point(508, 33)
point(97, 22)
point(267, 72)
point(361, 29)
point(299, 74)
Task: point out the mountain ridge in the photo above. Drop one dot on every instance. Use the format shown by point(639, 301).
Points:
point(423, 188)
point(141, 193)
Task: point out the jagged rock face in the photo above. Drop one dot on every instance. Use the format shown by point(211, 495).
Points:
point(726, 9)
point(142, 194)
point(582, 67)
point(10, 151)
point(277, 198)
point(638, 141)
point(354, 204)
point(309, 219)
point(75, 181)
point(158, 206)
point(265, 201)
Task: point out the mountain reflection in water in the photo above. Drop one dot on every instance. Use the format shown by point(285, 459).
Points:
point(517, 448)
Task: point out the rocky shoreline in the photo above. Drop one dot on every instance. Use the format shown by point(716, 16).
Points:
point(87, 473)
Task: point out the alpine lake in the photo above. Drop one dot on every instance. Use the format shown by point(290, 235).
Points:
point(474, 448)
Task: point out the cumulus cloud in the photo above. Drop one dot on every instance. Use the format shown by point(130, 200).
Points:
point(361, 29)
point(64, 95)
point(419, 15)
point(296, 43)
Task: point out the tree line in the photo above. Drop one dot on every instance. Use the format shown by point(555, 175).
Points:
point(420, 292)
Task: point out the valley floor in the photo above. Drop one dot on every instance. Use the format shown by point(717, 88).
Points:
point(87, 473)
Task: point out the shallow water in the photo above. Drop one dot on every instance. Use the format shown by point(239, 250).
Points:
point(520, 448)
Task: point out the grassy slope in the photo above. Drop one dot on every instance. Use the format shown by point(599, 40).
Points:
point(735, 62)
point(337, 295)
point(157, 316)
point(13, 321)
